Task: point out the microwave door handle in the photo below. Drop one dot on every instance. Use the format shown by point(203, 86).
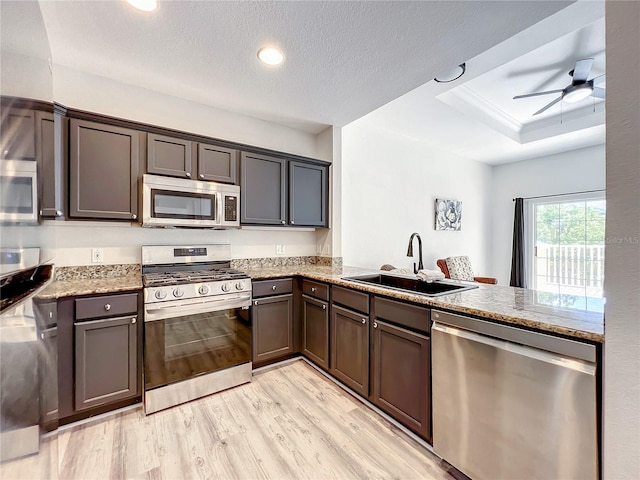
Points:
point(220, 207)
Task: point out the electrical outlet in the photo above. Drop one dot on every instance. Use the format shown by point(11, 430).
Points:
point(327, 249)
point(97, 255)
point(279, 249)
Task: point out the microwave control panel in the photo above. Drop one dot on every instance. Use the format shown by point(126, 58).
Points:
point(230, 208)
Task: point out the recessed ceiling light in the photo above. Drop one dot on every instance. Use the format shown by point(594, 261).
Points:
point(271, 55)
point(144, 5)
point(453, 74)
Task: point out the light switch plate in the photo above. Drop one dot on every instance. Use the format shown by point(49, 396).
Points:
point(279, 249)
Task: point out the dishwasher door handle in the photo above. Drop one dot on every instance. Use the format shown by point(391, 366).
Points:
point(542, 355)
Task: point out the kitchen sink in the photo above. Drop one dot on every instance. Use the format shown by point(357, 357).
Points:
point(410, 284)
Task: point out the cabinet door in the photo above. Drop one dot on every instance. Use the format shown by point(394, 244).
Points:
point(272, 327)
point(307, 194)
point(48, 179)
point(103, 171)
point(350, 348)
point(106, 361)
point(18, 134)
point(262, 189)
point(315, 330)
point(169, 156)
point(400, 369)
point(217, 164)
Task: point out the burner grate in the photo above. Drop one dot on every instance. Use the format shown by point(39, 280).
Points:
point(191, 276)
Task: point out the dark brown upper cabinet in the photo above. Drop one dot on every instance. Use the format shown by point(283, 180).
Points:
point(169, 156)
point(49, 178)
point(18, 134)
point(176, 157)
point(307, 194)
point(103, 171)
point(263, 189)
point(276, 191)
point(217, 164)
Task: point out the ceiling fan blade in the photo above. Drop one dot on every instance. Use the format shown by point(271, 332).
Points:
point(598, 92)
point(582, 69)
point(549, 105)
point(536, 94)
point(598, 80)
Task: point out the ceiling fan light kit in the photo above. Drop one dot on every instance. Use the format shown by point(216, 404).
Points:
point(579, 89)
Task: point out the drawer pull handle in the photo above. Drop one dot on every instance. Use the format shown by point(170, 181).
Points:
point(133, 320)
point(313, 289)
point(50, 314)
point(375, 325)
point(274, 287)
point(324, 307)
point(107, 307)
point(364, 320)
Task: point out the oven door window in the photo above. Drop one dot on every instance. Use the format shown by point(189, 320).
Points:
point(16, 195)
point(168, 204)
point(184, 347)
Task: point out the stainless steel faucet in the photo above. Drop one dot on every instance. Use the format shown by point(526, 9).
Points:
point(410, 252)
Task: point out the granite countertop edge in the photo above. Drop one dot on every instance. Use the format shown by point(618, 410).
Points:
point(592, 330)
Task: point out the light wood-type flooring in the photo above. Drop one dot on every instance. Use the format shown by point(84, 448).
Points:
point(290, 422)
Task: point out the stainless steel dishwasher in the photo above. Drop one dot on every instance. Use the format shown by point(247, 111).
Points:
point(513, 404)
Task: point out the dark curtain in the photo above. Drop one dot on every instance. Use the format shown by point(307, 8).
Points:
point(518, 275)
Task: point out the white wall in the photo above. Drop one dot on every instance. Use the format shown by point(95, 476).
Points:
point(73, 240)
point(574, 171)
point(390, 184)
point(622, 265)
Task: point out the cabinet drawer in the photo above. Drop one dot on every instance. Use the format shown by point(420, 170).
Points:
point(315, 289)
point(403, 314)
point(350, 298)
point(272, 287)
point(106, 306)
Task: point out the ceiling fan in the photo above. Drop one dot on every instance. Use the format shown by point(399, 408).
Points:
point(579, 89)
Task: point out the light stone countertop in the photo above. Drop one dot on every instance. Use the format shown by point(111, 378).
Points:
point(510, 305)
point(516, 306)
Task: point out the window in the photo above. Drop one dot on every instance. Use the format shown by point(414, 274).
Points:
point(567, 233)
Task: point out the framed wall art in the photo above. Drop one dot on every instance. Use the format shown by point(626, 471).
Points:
point(448, 214)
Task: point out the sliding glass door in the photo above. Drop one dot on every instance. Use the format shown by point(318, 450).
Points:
point(568, 235)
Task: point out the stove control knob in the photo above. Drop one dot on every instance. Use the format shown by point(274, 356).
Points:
point(239, 286)
point(203, 290)
point(178, 292)
point(161, 294)
point(226, 287)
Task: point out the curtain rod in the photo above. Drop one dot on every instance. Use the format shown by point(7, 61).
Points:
point(561, 194)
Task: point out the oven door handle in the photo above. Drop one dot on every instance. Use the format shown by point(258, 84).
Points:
point(190, 307)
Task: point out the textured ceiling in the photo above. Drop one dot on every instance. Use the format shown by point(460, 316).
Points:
point(343, 59)
point(476, 116)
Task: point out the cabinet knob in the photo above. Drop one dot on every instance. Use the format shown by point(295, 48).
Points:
point(42, 336)
point(364, 320)
point(324, 307)
point(50, 314)
point(41, 213)
point(375, 325)
point(133, 320)
point(188, 174)
point(292, 222)
point(58, 213)
point(201, 176)
point(274, 287)
point(255, 303)
point(133, 216)
point(313, 289)
point(107, 307)
point(283, 222)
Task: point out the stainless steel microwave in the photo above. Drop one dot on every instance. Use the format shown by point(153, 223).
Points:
point(18, 191)
point(177, 202)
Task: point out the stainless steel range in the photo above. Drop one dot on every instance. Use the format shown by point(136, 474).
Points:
point(197, 325)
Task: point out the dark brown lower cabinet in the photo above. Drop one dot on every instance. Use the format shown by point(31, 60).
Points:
point(315, 330)
point(272, 319)
point(401, 375)
point(350, 348)
point(106, 361)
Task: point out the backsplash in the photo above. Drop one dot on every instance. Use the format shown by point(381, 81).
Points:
point(267, 262)
point(87, 272)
